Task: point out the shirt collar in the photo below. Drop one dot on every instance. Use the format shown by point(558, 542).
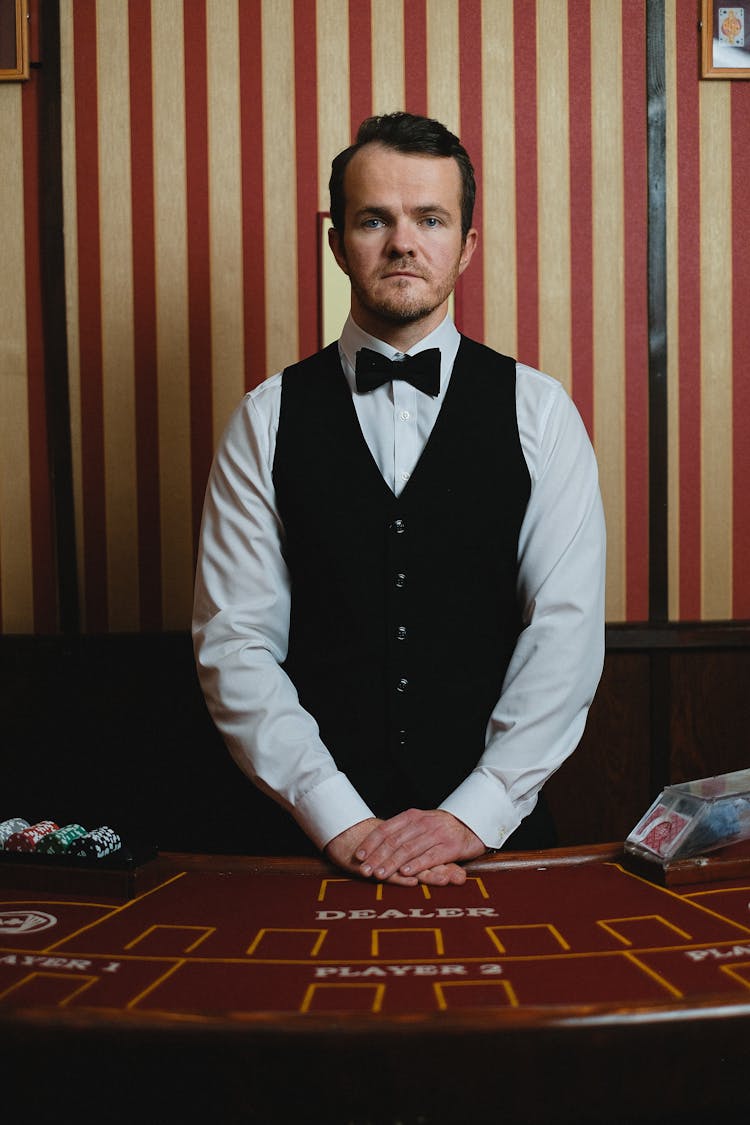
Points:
point(446, 337)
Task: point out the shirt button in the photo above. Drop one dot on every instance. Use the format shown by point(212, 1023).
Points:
point(404, 415)
point(401, 633)
point(399, 526)
point(400, 581)
point(405, 476)
point(402, 684)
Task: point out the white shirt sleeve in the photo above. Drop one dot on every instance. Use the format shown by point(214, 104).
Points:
point(558, 659)
point(241, 631)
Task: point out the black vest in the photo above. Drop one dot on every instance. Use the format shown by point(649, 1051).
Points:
point(404, 610)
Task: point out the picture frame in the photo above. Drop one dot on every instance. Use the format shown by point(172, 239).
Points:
point(14, 40)
point(725, 39)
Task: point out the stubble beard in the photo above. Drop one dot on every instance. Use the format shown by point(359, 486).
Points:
point(401, 307)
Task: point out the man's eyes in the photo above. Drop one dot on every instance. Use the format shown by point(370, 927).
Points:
point(375, 223)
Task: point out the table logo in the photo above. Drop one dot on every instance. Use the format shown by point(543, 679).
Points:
point(25, 921)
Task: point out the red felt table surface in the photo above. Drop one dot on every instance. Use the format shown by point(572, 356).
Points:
point(243, 942)
point(567, 943)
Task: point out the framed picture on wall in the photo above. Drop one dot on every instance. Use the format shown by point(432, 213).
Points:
point(725, 40)
point(14, 40)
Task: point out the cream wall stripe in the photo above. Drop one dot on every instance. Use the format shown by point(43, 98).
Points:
point(279, 184)
point(172, 333)
point(332, 44)
point(443, 92)
point(118, 387)
point(225, 209)
point(499, 180)
point(716, 349)
point(388, 56)
point(608, 283)
point(15, 485)
point(673, 326)
point(70, 237)
point(554, 190)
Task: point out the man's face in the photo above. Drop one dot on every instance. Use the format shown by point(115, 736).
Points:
point(402, 247)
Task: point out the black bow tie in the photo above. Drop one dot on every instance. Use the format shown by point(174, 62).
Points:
point(421, 370)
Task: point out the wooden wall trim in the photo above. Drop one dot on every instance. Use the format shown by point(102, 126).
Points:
point(52, 254)
point(657, 311)
point(678, 635)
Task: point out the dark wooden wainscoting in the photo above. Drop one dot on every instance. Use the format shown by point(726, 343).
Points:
point(673, 705)
point(114, 730)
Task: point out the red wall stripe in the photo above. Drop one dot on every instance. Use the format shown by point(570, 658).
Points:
point(636, 310)
point(688, 336)
point(34, 31)
point(199, 272)
point(144, 316)
point(581, 210)
point(306, 117)
point(741, 348)
point(253, 218)
point(470, 290)
point(415, 56)
point(360, 63)
point(89, 300)
point(43, 553)
point(527, 240)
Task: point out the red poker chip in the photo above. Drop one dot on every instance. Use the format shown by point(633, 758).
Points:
point(27, 839)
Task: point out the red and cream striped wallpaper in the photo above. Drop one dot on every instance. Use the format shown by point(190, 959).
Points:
point(197, 140)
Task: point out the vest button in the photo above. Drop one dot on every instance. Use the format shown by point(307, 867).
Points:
point(402, 738)
point(402, 684)
point(401, 633)
point(400, 581)
point(399, 526)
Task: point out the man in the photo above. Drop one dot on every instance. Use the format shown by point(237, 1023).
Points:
point(399, 601)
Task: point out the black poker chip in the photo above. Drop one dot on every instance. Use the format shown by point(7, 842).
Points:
point(97, 843)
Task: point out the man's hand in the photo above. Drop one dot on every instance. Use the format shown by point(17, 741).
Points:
point(341, 851)
point(420, 844)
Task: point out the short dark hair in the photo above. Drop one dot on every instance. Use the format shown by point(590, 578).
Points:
point(405, 132)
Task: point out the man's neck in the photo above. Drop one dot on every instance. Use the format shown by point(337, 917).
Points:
point(402, 337)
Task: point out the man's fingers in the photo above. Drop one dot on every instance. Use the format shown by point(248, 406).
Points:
point(442, 875)
point(389, 833)
point(416, 851)
point(416, 840)
point(402, 880)
point(418, 845)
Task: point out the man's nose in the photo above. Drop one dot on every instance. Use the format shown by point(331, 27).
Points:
point(401, 241)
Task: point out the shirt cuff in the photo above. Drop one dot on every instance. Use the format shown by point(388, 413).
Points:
point(329, 809)
point(484, 807)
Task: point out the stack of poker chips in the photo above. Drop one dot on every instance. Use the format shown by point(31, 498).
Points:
point(46, 838)
point(97, 843)
point(8, 828)
point(27, 839)
point(60, 840)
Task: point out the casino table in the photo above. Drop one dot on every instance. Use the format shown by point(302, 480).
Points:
point(563, 986)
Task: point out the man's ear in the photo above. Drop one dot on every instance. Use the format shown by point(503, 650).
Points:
point(469, 246)
point(336, 242)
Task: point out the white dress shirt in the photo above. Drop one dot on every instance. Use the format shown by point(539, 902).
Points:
point(242, 600)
